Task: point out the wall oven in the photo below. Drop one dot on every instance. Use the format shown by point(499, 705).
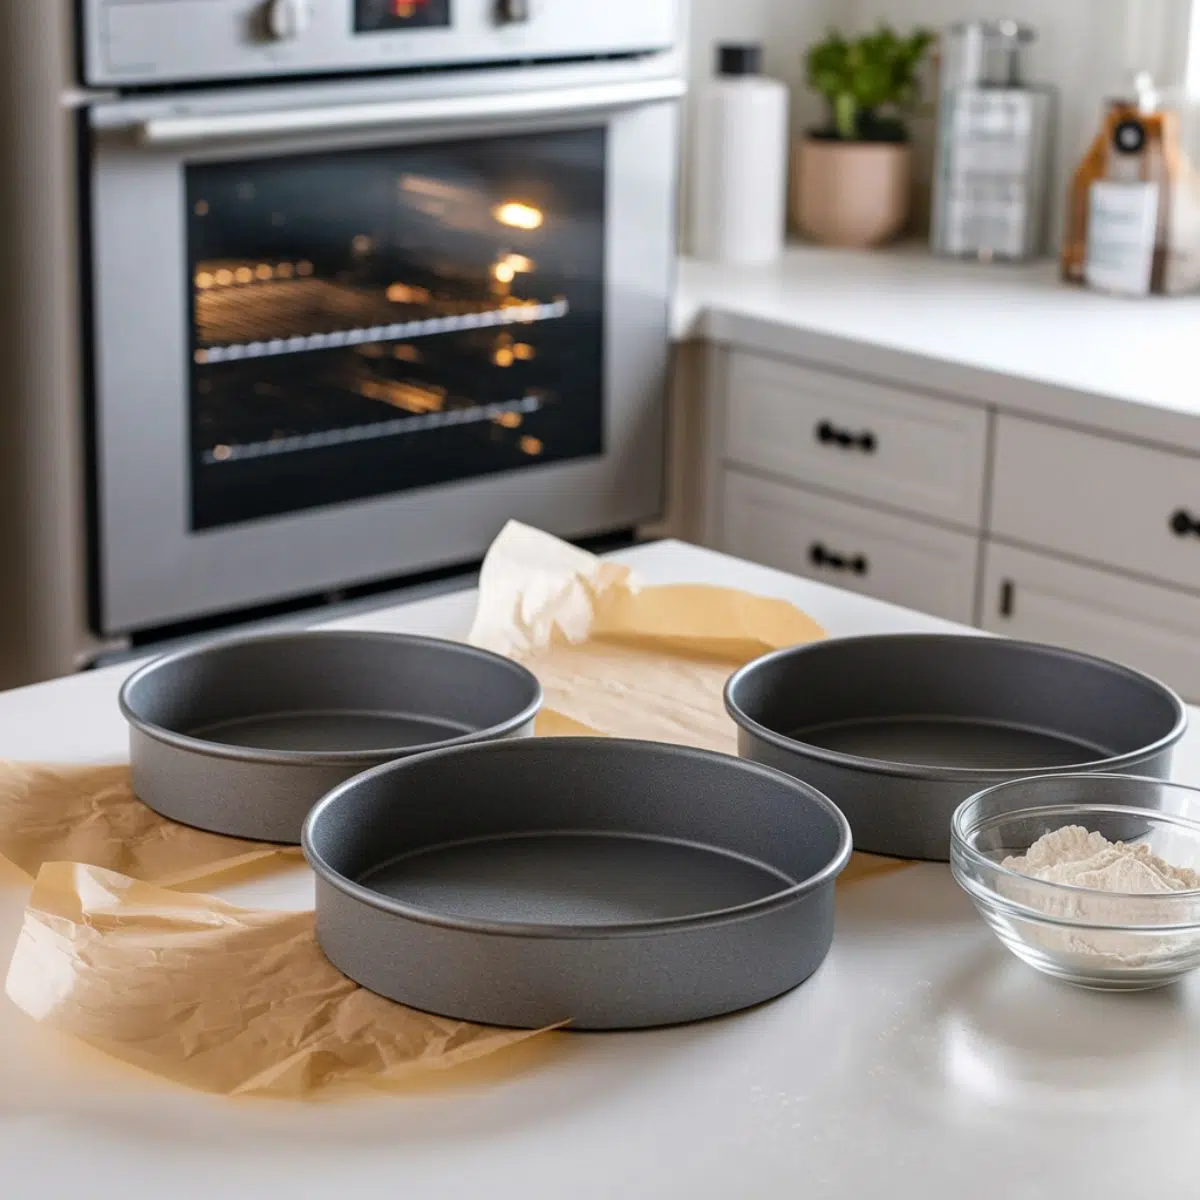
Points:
point(358, 281)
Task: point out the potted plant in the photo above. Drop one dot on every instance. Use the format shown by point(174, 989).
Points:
point(851, 177)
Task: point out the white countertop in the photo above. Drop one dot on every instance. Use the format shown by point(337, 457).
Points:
point(921, 1060)
point(1009, 336)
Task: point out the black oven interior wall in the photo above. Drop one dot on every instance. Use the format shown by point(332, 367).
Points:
point(373, 320)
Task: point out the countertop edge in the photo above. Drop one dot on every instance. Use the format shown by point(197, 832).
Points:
point(701, 318)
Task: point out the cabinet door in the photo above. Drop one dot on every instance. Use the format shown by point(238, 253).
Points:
point(1132, 507)
point(912, 452)
point(1154, 629)
point(850, 545)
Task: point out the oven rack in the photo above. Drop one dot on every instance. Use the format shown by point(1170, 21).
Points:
point(220, 455)
point(238, 323)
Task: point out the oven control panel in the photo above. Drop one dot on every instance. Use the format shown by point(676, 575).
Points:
point(161, 42)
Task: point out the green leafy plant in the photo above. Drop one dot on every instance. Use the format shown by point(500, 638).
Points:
point(869, 82)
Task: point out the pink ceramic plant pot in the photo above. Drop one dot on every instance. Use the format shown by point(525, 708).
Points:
point(852, 194)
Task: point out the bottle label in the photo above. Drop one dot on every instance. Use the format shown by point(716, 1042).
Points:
point(1122, 227)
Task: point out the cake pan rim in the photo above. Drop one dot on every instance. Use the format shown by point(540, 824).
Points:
point(330, 758)
point(827, 875)
point(878, 766)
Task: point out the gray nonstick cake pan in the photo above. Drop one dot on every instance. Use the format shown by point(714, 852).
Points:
point(899, 729)
point(243, 736)
point(605, 883)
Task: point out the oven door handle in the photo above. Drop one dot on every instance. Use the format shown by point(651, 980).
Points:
point(189, 130)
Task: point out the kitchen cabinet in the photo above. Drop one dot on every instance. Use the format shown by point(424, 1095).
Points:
point(960, 507)
point(851, 545)
point(915, 453)
point(1045, 599)
point(1112, 502)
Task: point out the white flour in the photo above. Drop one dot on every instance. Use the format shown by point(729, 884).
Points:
point(1114, 871)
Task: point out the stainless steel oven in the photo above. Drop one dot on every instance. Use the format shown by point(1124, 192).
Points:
point(360, 280)
point(344, 336)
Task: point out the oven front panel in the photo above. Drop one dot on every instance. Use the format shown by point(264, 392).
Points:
point(138, 42)
point(326, 359)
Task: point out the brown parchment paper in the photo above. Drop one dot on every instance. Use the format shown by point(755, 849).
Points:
point(241, 1001)
point(229, 1000)
point(89, 814)
point(625, 659)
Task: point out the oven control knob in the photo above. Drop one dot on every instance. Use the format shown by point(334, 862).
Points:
point(512, 12)
point(287, 19)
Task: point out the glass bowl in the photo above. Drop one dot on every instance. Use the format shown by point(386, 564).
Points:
point(1096, 939)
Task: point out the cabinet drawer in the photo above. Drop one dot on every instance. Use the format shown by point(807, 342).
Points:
point(1098, 498)
point(879, 443)
point(1154, 629)
point(851, 546)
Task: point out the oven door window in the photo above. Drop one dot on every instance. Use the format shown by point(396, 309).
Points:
point(370, 321)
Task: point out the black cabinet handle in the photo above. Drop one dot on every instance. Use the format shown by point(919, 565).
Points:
point(820, 556)
point(1007, 597)
point(828, 434)
point(1183, 523)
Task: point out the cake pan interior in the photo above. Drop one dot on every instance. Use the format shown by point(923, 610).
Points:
point(956, 702)
point(242, 737)
point(589, 880)
point(329, 692)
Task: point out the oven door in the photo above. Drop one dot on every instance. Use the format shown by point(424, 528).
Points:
point(343, 333)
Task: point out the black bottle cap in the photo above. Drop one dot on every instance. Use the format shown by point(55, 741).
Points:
point(739, 58)
point(1129, 137)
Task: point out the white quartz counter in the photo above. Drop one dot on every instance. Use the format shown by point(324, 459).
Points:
point(920, 1061)
point(1009, 336)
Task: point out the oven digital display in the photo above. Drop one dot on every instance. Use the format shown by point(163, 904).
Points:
point(379, 16)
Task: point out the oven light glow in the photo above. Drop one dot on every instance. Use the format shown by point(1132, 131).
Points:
point(243, 275)
point(502, 272)
point(524, 351)
point(263, 271)
point(518, 216)
point(509, 420)
point(220, 453)
point(304, 267)
point(503, 357)
point(224, 277)
point(412, 397)
point(531, 446)
point(520, 263)
point(284, 271)
point(362, 245)
point(204, 280)
point(403, 293)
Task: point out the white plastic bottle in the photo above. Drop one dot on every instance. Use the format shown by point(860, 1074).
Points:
point(739, 162)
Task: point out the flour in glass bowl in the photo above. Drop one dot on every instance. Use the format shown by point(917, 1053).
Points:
point(1113, 871)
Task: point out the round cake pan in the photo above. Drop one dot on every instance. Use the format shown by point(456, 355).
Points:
point(899, 729)
point(243, 736)
point(604, 883)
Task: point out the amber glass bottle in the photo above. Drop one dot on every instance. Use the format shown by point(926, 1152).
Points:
point(1119, 219)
